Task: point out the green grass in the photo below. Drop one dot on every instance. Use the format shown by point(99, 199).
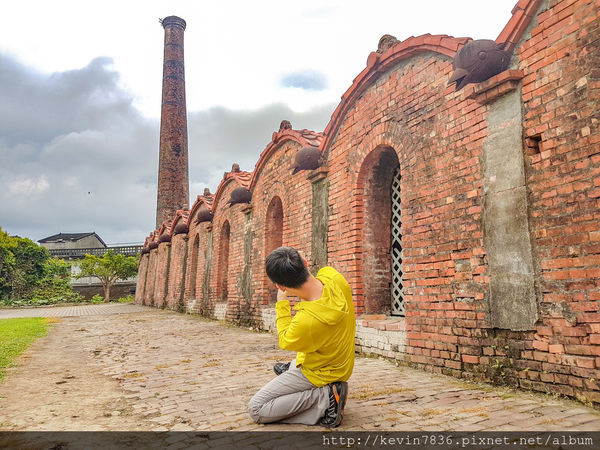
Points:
point(16, 335)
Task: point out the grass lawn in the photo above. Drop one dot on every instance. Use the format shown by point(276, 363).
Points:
point(16, 335)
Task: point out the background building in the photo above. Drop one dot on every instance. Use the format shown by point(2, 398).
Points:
point(73, 247)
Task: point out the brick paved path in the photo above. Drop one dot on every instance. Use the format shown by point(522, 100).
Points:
point(160, 370)
point(72, 311)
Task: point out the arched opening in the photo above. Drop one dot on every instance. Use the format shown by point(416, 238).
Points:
point(273, 240)
point(379, 191)
point(194, 266)
point(223, 262)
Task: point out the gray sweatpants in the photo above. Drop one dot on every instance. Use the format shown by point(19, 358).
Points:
point(289, 398)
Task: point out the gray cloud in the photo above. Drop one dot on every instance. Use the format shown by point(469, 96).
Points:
point(220, 137)
point(75, 154)
point(305, 79)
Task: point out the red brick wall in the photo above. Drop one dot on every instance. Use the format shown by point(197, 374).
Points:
point(422, 121)
point(150, 278)
point(561, 93)
point(400, 112)
point(437, 135)
point(223, 267)
point(227, 260)
point(162, 274)
point(194, 268)
point(141, 281)
point(294, 191)
point(273, 236)
point(177, 266)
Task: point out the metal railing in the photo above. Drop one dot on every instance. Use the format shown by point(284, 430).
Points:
point(76, 253)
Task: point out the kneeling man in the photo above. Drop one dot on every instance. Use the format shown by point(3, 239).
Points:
point(312, 389)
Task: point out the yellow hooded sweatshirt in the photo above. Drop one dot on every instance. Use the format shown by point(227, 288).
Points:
point(322, 331)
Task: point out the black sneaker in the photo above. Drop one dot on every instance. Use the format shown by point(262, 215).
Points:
point(338, 392)
point(279, 368)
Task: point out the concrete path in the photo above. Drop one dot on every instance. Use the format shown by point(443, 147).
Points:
point(160, 370)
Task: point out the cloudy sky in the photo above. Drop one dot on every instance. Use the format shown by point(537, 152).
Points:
point(80, 88)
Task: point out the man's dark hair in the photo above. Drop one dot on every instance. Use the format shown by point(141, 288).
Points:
point(285, 267)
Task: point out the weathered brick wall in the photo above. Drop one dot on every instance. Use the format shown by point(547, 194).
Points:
point(439, 136)
point(193, 268)
point(430, 129)
point(141, 281)
point(227, 251)
point(560, 60)
point(277, 186)
point(499, 189)
point(197, 293)
point(162, 273)
point(150, 278)
point(420, 129)
point(177, 267)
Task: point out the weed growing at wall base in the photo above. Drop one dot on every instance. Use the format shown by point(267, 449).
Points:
point(126, 299)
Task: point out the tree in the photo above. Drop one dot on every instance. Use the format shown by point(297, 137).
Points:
point(108, 269)
point(21, 266)
point(7, 263)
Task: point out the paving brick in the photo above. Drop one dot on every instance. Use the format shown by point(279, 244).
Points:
point(215, 397)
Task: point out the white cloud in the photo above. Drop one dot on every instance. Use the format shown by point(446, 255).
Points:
point(27, 187)
point(236, 51)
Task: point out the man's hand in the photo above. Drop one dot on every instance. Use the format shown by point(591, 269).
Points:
point(281, 295)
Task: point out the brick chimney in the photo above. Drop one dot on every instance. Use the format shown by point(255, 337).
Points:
point(173, 184)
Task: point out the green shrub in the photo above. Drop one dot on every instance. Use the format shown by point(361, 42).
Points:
point(54, 290)
point(127, 299)
point(21, 266)
point(97, 299)
point(30, 277)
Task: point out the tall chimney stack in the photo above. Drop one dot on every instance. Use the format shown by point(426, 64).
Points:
point(173, 184)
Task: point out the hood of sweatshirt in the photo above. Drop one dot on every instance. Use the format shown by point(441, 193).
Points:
point(331, 308)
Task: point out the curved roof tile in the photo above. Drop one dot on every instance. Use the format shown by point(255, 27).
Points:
point(306, 138)
point(165, 228)
point(181, 215)
point(201, 200)
point(241, 178)
point(522, 14)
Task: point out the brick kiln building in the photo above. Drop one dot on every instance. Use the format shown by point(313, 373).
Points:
point(466, 221)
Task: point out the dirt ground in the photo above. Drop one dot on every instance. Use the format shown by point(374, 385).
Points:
point(53, 389)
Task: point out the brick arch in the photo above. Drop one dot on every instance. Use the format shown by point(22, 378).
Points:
point(193, 274)
point(191, 269)
point(273, 239)
point(373, 211)
point(223, 271)
point(377, 65)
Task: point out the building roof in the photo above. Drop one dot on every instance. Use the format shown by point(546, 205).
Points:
point(379, 63)
point(306, 138)
point(70, 237)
